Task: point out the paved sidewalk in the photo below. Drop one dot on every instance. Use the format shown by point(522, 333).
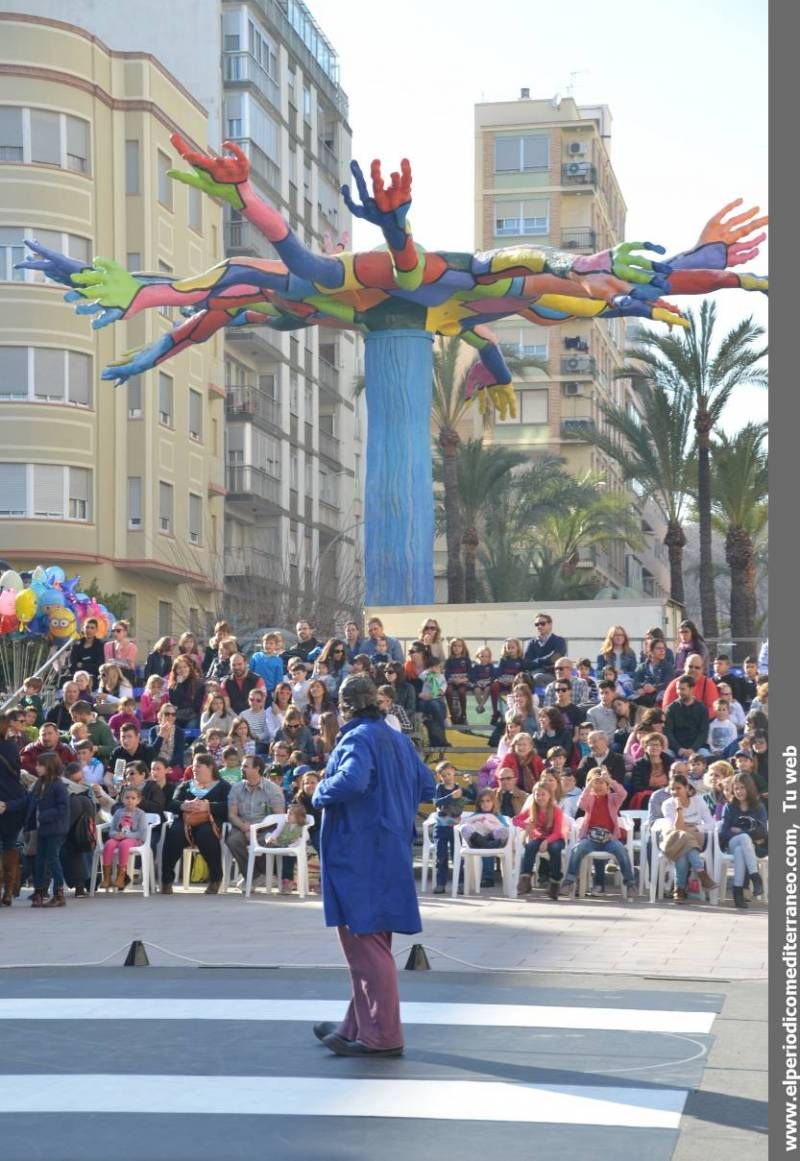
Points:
point(597, 936)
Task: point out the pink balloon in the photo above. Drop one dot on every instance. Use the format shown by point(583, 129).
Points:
point(8, 603)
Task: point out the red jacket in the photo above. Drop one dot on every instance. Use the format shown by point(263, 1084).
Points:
point(616, 796)
point(704, 690)
point(557, 830)
point(31, 752)
point(527, 775)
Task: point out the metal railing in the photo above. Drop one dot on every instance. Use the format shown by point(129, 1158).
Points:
point(329, 515)
point(578, 239)
point(246, 480)
point(244, 236)
point(242, 67)
point(578, 173)
point(250, 403)
point(277, 17)
point(265, 342)
point(577, 428)
point(256, 563)
point(26, 657)
point(260, 164)
point(328, 159)
point(328, 375)
point(330, 446)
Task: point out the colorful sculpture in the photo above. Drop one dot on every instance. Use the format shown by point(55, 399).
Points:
point(399, 298)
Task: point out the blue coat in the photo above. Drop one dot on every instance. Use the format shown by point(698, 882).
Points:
point(373, 785)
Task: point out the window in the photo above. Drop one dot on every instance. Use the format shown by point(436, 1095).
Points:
point(533, 406)
point(45, 137)
point(522, 217)
point(45, 375)
point(164, 183)
point(164, 619)
point(195, 209)
point(165, 399)
point(165, 269)
point(77, 144)
point(78, 497)
point(133, 261)
point(233, 115)
point(134, 388)
point(48, 491)
point(264, 131)
point(306, 104)
point(135, 502)
point(12, 251)
point(195, 519)
point(195, 415)
point(267, 384)
point(132, 175)
point(10, 133)
point(523, 342)
point(13, 490)
point(515, 154)
point(294, 395)
point(165, 508)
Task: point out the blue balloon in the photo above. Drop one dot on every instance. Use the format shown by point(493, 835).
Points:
point(55, 575)
point(50, 596)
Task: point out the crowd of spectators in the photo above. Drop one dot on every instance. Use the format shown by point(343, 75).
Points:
point(202, 735)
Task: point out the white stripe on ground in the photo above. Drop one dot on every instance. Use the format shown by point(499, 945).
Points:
point(251, 1009)
point(440, 1100)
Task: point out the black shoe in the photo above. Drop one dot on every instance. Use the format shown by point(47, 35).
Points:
point(440, 890)
point(324, 1029)
point(343, 1047)
point(80, 892)
point(213, 888)
point(757, 883)
point(553, 889)
point(487, 882)
point(166, 889)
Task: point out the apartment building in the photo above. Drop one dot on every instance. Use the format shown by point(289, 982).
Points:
point(293, 432)
point(126, 485)
point(543, 175)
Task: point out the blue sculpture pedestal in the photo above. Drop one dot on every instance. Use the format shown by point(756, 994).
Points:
point(398, 501)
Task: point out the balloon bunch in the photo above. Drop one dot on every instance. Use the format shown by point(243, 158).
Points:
point(50, 606)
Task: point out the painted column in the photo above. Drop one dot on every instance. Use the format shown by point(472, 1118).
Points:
point(398, 501)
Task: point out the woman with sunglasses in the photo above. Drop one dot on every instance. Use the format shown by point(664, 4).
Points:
point(167, 741)
point(405, 695)
point(430, 634)
point(334, 655)
point(122, 650)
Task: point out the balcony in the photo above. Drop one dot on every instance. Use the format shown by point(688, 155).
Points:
point(578, 365)
point(249, 403)
point(578, 173)
point(328, 160)
point(308, 511)
point(328, 376)
point(276, 17)
point(243, 238)
point(330, 447)
point(579, 239)
point(245, 563)
point(582, 429)
point(242, 68)
point(329, 515)
point(251, 485)
point(309, 437)
point(261, 342)
point(261, 166)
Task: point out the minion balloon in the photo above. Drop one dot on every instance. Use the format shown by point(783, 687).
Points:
point(62, 626)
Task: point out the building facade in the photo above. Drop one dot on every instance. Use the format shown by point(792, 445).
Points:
point(122, 486)
point(543, 175)
point(291, 434)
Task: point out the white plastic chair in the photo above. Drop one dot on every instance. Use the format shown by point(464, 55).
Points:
point(582, 882)
point(662, 869)
point(723, 862)
point(230, 867)
point(143, 852)
point(638, 842)
point(471, 856)
point(569, 842)
point(97, 856)
point(428, 852)
point(298, 851)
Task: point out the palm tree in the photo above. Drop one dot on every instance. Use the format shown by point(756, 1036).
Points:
point(686, 363)
point(447, 410)
point(481, 472)
point(651, 448)
point(739, 512)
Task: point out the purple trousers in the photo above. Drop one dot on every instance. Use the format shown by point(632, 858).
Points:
point(373, 1016)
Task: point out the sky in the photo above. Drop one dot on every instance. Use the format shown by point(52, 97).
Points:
point(686, 84)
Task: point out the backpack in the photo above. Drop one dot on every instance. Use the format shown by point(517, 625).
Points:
point(84, 834)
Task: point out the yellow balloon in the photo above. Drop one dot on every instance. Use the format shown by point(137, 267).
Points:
point(26, 606)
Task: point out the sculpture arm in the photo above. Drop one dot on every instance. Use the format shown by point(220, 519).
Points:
point(489, 378)
point(388, 209)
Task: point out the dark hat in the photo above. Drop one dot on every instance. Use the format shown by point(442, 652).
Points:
point(357, 692)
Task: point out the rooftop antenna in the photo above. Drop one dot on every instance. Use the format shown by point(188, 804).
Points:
point(571, 85)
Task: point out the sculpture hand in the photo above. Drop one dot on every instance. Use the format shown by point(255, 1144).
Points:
point(388, 208)
point(218, 177)
point(105, 283)
point(56, 266)
point(624, 263)
point(501, 396)
point(659, 311)
point(137, 360)
point(105, 314)
point(732, 233)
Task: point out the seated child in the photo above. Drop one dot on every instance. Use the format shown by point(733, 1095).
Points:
point(231, 768)
point(93, 768)
point(154, 696)
point(288, 833)
point(584, 670)
point(449, 800)
point(125, 715)
point(543, 823)
point(481, 676)
point(486, 829)
point(128, 829)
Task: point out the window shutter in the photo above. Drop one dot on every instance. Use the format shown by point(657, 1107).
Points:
point(134, 501)
point(80, 494)
point(134, 397)
point(10, 133)
point(13, 490)
point(48, 490)
point(45, 137)
point(48, 373)
point(14, 372)
point(195, 415)
point(80, 383)
point(78, 144)
point(195, 518)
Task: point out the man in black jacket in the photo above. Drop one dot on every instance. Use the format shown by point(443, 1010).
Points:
point(131, 748)
point(541, 651)
point(600, 755)
point(686, 721)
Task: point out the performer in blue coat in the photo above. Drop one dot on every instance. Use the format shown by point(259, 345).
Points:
point(373, 785)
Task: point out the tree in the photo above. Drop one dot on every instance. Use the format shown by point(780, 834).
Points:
point(740, 513)
point(652, 450)
point(481, 469)
point(686, 363)
point(448, 409)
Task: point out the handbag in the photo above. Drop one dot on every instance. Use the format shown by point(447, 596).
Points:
point(679, 842)
point(200, 813)
point(599, 834)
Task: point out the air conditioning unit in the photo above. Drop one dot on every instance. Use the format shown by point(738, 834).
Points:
point(572, 364)
point(135, 522)
point(572, 388)
point(578, 168)
point(577, 149)
point(134, 413)
point(163, 524)
point(194, 537)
